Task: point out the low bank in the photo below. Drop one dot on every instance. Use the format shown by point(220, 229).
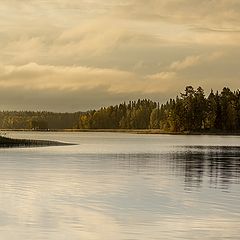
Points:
point(134, 131)
point(154, 131)
point(10, 143)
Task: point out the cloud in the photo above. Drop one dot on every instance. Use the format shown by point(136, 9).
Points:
point(92, 39)
point(75, 88)
point(191, 61)
point(186, 63)
point(36, 76)
point(116, 50)
point(85, 43)
point(43, 77)
point(213, 12)
point(195, 22)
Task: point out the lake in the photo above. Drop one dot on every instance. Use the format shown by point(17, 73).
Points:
point(120, 186)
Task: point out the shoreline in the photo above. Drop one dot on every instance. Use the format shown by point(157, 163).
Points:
point(6, 142)
point(132, 131)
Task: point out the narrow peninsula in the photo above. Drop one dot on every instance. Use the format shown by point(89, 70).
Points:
point(6, 142)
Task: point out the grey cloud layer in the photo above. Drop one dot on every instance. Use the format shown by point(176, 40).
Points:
point(208, 11)
point(82, 54)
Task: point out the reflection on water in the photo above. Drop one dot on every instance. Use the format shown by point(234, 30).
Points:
point(121, 186)
point(220, 164)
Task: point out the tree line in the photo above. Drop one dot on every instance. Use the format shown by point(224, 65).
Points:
point(38, 120)
point(190, 111)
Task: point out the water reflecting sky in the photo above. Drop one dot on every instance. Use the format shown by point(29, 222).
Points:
point(121, 186)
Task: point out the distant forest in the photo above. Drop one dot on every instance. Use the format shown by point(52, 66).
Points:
point(191, 111)
point(38, 120)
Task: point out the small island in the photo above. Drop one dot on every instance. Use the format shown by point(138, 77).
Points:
point(6, 142)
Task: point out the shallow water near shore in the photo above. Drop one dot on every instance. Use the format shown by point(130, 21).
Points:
point(121, 186)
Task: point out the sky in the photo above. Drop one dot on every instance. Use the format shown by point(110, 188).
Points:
point(61, 55)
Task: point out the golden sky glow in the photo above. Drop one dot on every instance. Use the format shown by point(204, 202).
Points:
point(63, 55)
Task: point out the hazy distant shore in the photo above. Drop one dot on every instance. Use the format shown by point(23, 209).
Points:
point(6, 142)
point(133, 131)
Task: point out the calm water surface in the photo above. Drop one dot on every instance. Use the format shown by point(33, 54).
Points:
point(118, 186)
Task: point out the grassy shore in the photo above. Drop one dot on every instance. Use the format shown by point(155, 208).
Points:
point(153, 131)
point(137, 131)
point(10, 142)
